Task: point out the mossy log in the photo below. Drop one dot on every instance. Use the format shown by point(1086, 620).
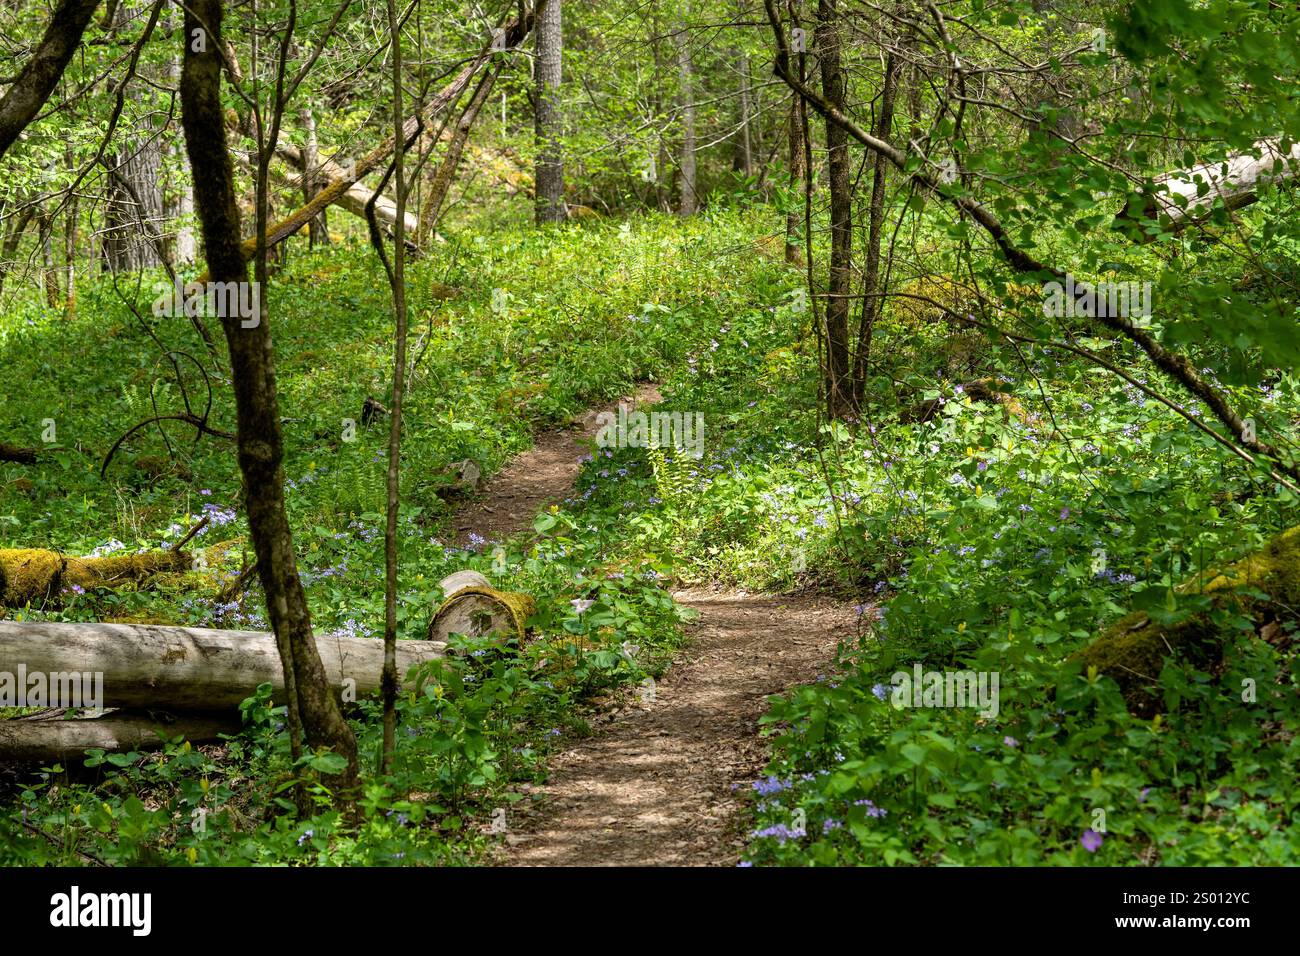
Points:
point(32, 575)
point(1132, 651)
point(979, 390)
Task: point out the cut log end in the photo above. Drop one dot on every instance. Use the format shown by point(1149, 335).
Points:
point(479, 610)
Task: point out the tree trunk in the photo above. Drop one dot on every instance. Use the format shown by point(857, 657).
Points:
point(688, 203)
point(70, 246)
point(260, 444)
point(794, 248)
point(18, 224)
point(549, 178)
point(178, 194)
point(873, 288)
point(318, 229)
point(129, 224)
point(744, 144)
point(837, 373)
point(660, 161)
point(37, 79)
point(49, 272)
point(397, 284)
point(794, 221)
point(133, 213)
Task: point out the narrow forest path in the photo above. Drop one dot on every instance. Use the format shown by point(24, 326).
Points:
point(661, 782)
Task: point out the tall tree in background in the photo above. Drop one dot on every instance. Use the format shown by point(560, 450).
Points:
point(135, 199)
point(549, 177)
point(257, 411)
point(686, 72)
point(873, 282)
point(797, 124)
point(397, 283)
point(318, 233)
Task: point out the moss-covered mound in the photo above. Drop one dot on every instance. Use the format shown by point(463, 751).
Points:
point(1132, 651)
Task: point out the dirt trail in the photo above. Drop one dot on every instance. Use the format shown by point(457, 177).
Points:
point(660, 783)
point(538, 478)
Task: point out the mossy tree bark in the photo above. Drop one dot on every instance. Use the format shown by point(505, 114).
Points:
point(260, 443)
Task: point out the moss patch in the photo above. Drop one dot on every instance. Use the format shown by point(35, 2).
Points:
point(1132, 651)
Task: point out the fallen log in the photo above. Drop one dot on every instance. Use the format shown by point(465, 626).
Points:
point(1263, 587)
point(32, 575)
point(51, 738)
point(354, 199)
point(1181, 197)
point(442, 179)
point(509, 37)
point(188, 669)
point(980, 390)
point(21, 456)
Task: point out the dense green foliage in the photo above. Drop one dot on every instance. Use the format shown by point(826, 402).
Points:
point(994, 537)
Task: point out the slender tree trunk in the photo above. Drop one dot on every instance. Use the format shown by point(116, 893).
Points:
point(798, 120)
point(686, 69)
point(549, 176)
point(663, 198)
point(178, 196)
point(19, 222)
point(872, 287)
point(839, 387)
point(397, 277)
point(794, 221)
point(744, 144)
point(50, 272)
point(183, 248)
point(70, 247)
point(257, 412)
point(318, 230)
